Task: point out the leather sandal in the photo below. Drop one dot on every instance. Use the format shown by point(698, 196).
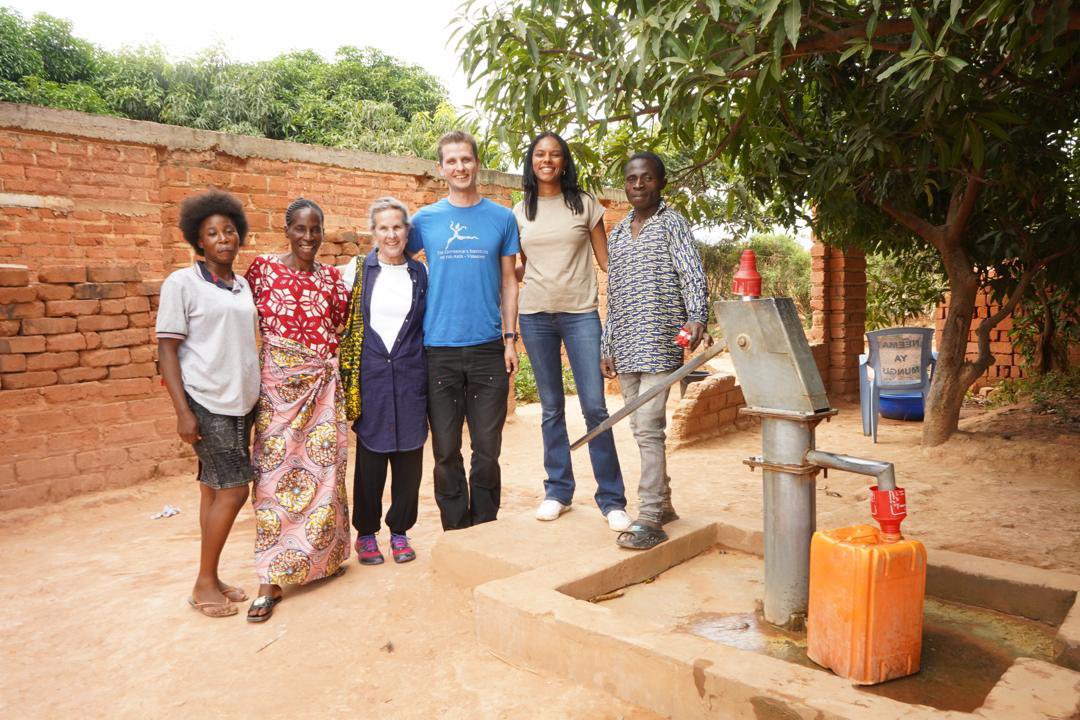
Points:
point(262, 602)
point(213, 609)
point(640, 536)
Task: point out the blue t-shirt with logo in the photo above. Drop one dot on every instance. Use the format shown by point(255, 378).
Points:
point(464, 248)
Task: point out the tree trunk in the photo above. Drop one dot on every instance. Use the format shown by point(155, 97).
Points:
point(1045, 352)
point(953, 374)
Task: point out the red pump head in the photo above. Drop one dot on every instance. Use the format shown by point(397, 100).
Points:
point(747, 280)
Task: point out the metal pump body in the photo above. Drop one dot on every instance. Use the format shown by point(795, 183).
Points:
point(783, 387)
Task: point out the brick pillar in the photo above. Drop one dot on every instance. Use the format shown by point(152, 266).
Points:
point(838, 302)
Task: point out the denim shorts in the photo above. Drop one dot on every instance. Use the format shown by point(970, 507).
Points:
point(223, 448)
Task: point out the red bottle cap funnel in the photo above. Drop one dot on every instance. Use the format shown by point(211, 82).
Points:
point(889, 508)
point(747, 280)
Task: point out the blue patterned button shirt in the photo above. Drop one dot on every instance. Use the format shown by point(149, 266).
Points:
point(656, 284)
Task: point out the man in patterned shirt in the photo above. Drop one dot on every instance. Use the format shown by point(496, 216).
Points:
point(656, 286)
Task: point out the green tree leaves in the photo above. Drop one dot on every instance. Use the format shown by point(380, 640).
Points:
point(18, 57)
point(947, 125)
point(364, 99)
point(903, 286)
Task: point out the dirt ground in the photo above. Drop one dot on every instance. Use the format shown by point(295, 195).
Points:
point(95, 622)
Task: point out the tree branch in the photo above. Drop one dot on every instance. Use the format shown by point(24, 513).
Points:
point(834, 40)
point(735, 126)
point(572, 53)
point(650, 110)
point(985, 358)
point(703, 8)
point(961, 206)
point(927, 231)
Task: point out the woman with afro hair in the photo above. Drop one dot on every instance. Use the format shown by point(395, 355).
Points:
point(206, 325)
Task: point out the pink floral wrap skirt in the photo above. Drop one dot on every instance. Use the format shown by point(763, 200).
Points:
point(300, 454)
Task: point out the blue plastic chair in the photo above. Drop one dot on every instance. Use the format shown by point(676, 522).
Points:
point(902, 363)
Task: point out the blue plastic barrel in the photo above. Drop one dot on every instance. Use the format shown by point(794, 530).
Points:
point(902, 405)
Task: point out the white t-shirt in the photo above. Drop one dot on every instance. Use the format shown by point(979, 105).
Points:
point(391, 300)
point(219, 363)
point(349, 271)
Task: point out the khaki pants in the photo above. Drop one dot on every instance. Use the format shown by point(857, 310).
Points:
point(648, 424)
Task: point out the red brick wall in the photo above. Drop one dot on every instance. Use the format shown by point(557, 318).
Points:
point(1007, 361)
point(80, 404)
point(709, 408)
point(111, 217)
point(86, 202)
point(88, 211)
point(838, 304)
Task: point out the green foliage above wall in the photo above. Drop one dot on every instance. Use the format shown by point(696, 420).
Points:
point(362, 100)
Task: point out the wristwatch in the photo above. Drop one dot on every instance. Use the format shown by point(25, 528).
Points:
point(510, 336)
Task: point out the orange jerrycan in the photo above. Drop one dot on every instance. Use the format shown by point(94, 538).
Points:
point(865, 615)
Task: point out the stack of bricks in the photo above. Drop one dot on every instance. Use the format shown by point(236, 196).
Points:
point(709, 408)
point(1007, 362)
point(838, 303)
point(81, 406)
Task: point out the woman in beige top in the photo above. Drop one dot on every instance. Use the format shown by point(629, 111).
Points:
point(561, 229)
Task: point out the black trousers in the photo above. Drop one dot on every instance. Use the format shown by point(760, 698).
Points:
point(467, 384)
point(369, 479)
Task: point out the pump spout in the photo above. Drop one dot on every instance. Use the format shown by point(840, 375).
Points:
point(883, 471)
point(888, 503)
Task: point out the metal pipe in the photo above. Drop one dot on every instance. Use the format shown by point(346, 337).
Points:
point(652, 392)
point(883, 471)
point(790, 520)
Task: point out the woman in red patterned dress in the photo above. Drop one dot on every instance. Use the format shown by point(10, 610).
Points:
point(301, 446)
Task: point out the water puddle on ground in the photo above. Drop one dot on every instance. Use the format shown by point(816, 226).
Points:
point(965, 650)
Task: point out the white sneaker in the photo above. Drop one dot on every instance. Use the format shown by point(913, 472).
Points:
point(618, 520)
point(551, 510)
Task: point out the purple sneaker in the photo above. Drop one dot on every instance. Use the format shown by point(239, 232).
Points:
point(399, 545)
point(367, 550)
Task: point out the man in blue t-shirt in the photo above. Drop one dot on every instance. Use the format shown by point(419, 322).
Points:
point(469, 332)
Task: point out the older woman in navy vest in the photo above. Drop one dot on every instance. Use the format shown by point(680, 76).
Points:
point(392, 427)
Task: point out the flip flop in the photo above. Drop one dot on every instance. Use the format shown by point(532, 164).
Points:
point(213, 609)
point(234, 593)
point(641, 537)
point(263, 601)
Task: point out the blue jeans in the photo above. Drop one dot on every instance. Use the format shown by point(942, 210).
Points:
point(543, 334)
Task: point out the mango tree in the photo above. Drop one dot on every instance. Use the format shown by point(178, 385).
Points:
point(951, 125)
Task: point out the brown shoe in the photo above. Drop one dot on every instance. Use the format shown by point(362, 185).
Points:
point(213, 609)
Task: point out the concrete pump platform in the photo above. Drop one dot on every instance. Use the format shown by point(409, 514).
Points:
point(677, 629)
